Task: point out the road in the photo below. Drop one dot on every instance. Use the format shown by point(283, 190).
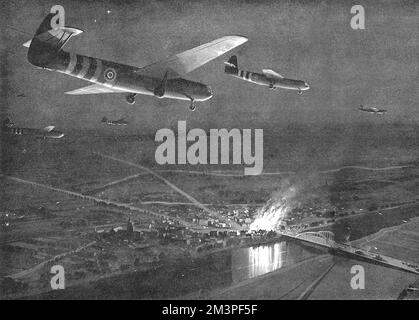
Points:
point(309, 290)
point(212, 213)
point(226, 173)
point(119, 205)
point(29, 271)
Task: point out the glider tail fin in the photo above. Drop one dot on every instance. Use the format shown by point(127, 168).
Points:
point(231, 65)
point(48, 42)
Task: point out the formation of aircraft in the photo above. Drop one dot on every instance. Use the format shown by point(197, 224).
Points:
point(268, 77)
point(119, 122)
point(9, 127)
point(162, 79)
point(373, 110)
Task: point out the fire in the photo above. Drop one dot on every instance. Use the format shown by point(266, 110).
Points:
point(277, 208)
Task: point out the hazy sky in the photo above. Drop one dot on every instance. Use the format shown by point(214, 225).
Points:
point(309, 40)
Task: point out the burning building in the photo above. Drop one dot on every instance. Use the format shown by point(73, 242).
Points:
point(271, 216)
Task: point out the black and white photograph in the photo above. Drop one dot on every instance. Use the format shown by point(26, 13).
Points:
point(226, 152)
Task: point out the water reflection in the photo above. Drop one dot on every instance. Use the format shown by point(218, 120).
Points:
point(255, 261)
point(266, 259)
point(185, 276)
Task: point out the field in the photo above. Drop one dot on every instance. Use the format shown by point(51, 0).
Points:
point(358, 181)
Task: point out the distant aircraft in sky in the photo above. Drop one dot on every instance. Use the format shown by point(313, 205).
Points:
point(161, 79)
point(373, 110)
point(21, 95)
point(120, 122)
point(267, 78)
point(47, 132)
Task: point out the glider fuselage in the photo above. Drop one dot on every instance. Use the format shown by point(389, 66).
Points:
point(121, 77)
point(38, 133)
point(373, 110)
point(268, 78)
point(272, 82)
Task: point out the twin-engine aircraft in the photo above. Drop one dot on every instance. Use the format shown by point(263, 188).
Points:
point(373, 110)
point(9, 127)
point(161, 79)
point(268, 78)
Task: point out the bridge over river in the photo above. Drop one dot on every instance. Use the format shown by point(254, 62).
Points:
point(326, 239)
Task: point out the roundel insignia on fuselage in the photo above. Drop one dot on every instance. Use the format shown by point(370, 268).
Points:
point(110, 74)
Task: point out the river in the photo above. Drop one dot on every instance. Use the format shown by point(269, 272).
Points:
point(186, 276)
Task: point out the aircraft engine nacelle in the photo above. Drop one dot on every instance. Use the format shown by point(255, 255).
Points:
point(161, 88)
point(159, 91)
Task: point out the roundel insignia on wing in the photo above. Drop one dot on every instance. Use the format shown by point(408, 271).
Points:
point(110, 74)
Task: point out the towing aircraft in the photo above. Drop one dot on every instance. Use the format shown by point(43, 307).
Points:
point(268, 77)
point(162, 79)
point(373, 110)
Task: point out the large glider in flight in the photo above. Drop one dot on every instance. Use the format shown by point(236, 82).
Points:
point(161, 79)
point(9, 128)
point(268, 77)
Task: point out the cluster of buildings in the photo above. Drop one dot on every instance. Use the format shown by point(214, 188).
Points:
point(165, 232)
point(242, 215)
